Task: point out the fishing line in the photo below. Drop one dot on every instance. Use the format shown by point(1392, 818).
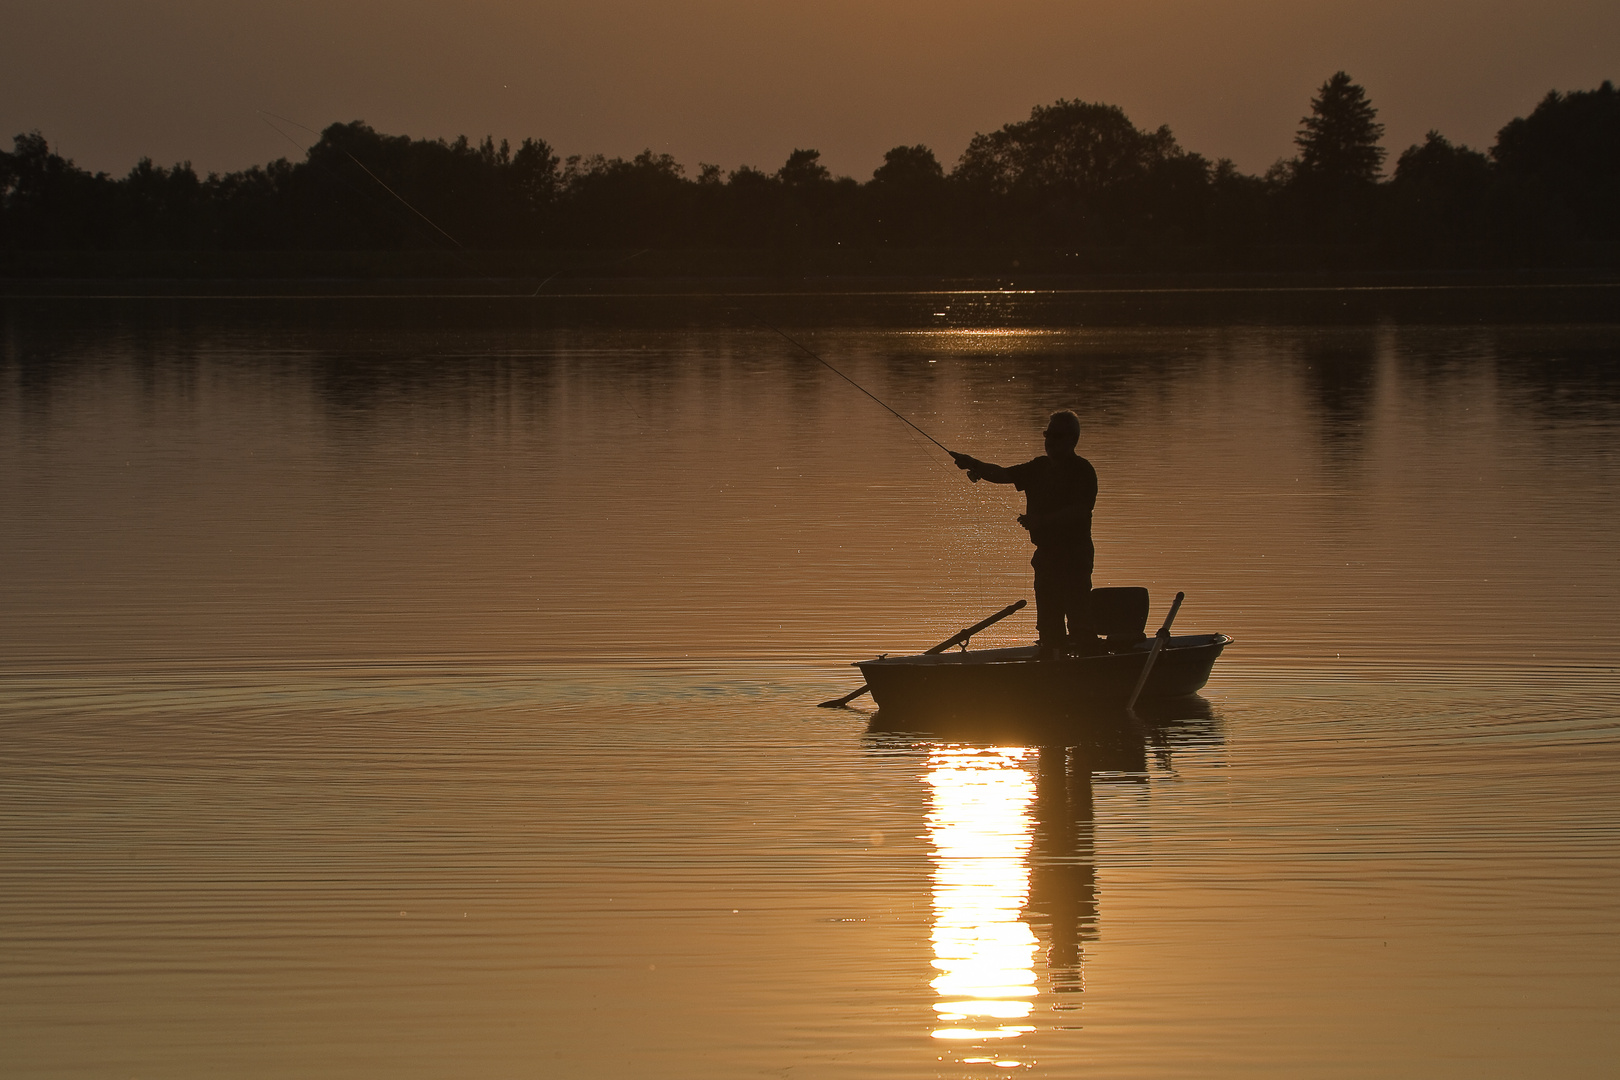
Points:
point(403, 201)
point(899, 416)
point(812, 354)
point(611, 266)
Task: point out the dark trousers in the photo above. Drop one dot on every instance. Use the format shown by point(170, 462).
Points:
point(1063, 592)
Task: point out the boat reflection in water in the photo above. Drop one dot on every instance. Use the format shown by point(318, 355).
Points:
point(1012, 835)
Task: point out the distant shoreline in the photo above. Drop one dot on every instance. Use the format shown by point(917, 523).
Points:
point(914, 302)
point(864, 269)
point(603, 271)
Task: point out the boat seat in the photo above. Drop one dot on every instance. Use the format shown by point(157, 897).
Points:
point(1120, 614)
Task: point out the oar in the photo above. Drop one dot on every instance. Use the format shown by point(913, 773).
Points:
point(1153, 654)
point(955, 639)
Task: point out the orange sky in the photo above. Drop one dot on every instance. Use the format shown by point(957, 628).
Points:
point(746, 81)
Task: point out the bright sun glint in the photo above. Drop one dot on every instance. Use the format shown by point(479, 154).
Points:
point(980, 828)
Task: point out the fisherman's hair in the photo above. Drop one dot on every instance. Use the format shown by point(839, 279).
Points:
point(1068, 423)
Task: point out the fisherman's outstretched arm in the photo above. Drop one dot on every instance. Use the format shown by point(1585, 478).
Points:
point(982, 470)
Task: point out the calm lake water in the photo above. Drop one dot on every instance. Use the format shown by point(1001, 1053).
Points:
point(385, 694)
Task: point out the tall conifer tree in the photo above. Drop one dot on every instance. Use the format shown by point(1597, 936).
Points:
point(1338, 142)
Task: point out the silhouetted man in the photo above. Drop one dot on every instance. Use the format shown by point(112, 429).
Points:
point(1061, 490)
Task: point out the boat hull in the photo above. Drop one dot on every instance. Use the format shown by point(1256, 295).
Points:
point(992, 682)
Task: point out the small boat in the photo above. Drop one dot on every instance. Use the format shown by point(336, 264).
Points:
point(1015, 680)
point(1000, 680)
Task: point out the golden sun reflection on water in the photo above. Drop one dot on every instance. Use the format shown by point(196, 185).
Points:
point(980, 826)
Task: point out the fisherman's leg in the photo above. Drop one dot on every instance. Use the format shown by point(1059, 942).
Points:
point(1049, 599)
point(1077, 601)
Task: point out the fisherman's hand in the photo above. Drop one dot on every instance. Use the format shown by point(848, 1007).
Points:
point(971, 464)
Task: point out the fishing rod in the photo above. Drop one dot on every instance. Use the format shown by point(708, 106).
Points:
point(818, 359)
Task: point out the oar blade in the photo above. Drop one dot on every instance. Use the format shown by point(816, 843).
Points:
point(839, 703)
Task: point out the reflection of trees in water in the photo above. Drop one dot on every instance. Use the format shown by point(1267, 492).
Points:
point(1340, 372)
point(1550, 375)
point(1102, 381)
point(42, 358)
point(33, 377)
point(361, 385)
point(1110, 378)
point(1561, 373)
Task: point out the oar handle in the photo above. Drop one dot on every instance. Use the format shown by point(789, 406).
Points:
point(1159, 640)
point(962, 635)
point(955, 639)
point(1175, 606)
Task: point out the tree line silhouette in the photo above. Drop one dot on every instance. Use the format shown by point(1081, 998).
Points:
point(1073, 176)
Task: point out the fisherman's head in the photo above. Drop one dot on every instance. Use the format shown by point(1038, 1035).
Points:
point(1062, 433)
